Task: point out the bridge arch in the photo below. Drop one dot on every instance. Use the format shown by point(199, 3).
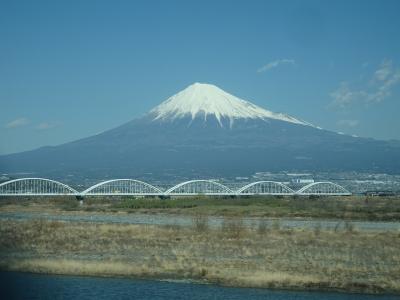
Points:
point(201, 186)
point(265, 188)
point(122, 187)
point(323, 188)
point(35, 187)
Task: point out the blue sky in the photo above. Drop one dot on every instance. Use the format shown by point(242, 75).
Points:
point(70, 69)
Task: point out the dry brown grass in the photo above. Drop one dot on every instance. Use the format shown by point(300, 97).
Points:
point(230, 255)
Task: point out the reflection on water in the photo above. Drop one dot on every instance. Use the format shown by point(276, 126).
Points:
point(31, 286)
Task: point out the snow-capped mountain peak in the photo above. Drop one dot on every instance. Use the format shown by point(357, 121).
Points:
point(200, 99)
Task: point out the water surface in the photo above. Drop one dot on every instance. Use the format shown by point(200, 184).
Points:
point(31, 286)
point(185, 220)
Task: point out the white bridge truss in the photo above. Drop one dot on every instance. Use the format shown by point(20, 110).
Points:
point(323, 188)
point(121, 187)
point(265, 188)
point(35, 186)
point(195, 187)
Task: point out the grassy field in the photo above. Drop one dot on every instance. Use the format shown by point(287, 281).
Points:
point(232, 254)
point(351, 207)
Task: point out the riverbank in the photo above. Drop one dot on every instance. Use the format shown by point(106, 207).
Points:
point(265, 256)
point(354, 208)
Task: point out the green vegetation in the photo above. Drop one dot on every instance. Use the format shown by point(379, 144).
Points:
point(232, 254)
point(340, 208)
point(149, 203)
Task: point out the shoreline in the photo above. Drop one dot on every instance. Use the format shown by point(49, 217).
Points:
point(344, 260)
point(350, 288)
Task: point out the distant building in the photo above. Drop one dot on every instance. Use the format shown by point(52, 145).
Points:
point(302, 181)
point(380, 193)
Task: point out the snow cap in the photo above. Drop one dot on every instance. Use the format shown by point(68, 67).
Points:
point(201, 99)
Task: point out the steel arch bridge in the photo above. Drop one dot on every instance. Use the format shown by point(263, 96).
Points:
point(195, 187)
point(34, 187)
point(48, 187)
point(130, 187)
point(323, 188)
point(265, 188)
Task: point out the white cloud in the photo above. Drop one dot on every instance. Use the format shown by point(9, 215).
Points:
point(385, 89)
point(275, 63)
point(46, 125)
point(384, 70)
point(17, 123)
point(348, 123)
point(380, 87)
point(343, 96)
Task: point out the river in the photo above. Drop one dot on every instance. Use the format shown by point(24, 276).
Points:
point(185, 220)
point(31, 286)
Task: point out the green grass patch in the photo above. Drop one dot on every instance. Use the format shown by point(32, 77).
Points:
point(150, 203)
point(324, 207)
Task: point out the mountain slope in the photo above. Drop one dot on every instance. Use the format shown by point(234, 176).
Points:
point(205, 132)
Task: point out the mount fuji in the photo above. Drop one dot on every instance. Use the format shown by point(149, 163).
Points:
point(205, 131)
